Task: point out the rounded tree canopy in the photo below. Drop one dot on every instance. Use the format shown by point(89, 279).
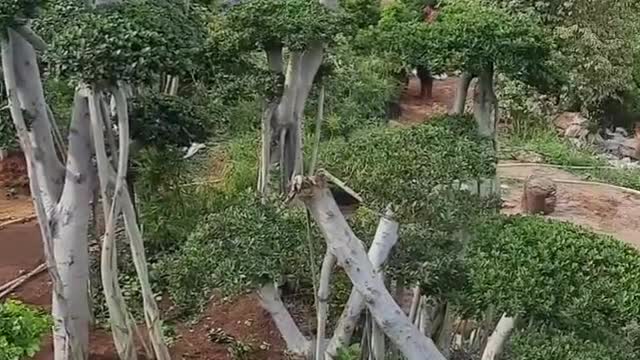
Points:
point(134, 41)
point(473, 35)
point(409, 167)
point(543, 343)
point(553, 273)
point(167, 121)
point(293, 24)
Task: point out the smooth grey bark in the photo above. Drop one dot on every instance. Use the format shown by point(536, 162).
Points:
point(72, 348)
point(499, 337)
point(384, 240)
point(269, 123)
point(150, 307)
point(462, 89)
point(271, 302)
point(31, 96)
point(317, 132)
point(485, 103)
point(71, 219)
point(119, 316)
point(352, 257)
point(322, 304)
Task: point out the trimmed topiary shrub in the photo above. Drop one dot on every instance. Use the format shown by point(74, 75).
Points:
point(408, 167)
point(241, 247)
point(553, 273)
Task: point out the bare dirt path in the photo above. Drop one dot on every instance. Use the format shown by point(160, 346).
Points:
point(416, 109)
point(600, 208)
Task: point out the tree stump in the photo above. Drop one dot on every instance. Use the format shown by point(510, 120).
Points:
point(539, 196)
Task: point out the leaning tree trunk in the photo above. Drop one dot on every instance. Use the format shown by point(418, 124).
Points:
point(351, 256)
point(384, 240)
point(31, 95)
point(499, 337)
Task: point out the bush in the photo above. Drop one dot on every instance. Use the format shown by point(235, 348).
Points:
point(358, 91)
point(553, 273)
point(21, 329)
point(238, 248)
point(546, 343)
point(405, 167)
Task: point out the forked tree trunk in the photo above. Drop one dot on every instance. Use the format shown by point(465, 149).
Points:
point(352, 257)
point(499, 337)
point(63, 224)
point(462, 89)
point(384, 240)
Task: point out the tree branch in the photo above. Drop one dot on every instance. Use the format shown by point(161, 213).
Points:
point(271, 302)
point(351, 256)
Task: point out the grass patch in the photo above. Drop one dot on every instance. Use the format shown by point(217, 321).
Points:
point(560, 151)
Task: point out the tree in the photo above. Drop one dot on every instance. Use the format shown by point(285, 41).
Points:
point(105, 51)
point(480, 40)
point(304, 28)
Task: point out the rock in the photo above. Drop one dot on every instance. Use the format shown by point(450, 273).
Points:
point(539, 195)
point(571, 124)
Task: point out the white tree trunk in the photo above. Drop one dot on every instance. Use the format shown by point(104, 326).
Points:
point(499, 337)
point(31, 95)
point(415, 301)
point(322, 311)
point(73, 347)
point(119, 316)
point(151, 312)
point(71, 251)
point(271, 302)
point(352, 257)
point(384, 240)
point(275, 61)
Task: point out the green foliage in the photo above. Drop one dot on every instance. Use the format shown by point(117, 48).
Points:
point(546, 343)
point(163, 120)
point(560, 151)
point(362, 13)
point(353, 352)
point(404, 167)
point(265, 24)
point(133, 41)
point(21, 329)
point(472, 35)
point(14, 12)
point(400, 36)
point(357, 92)
point(242, 246)
point(553, 273)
